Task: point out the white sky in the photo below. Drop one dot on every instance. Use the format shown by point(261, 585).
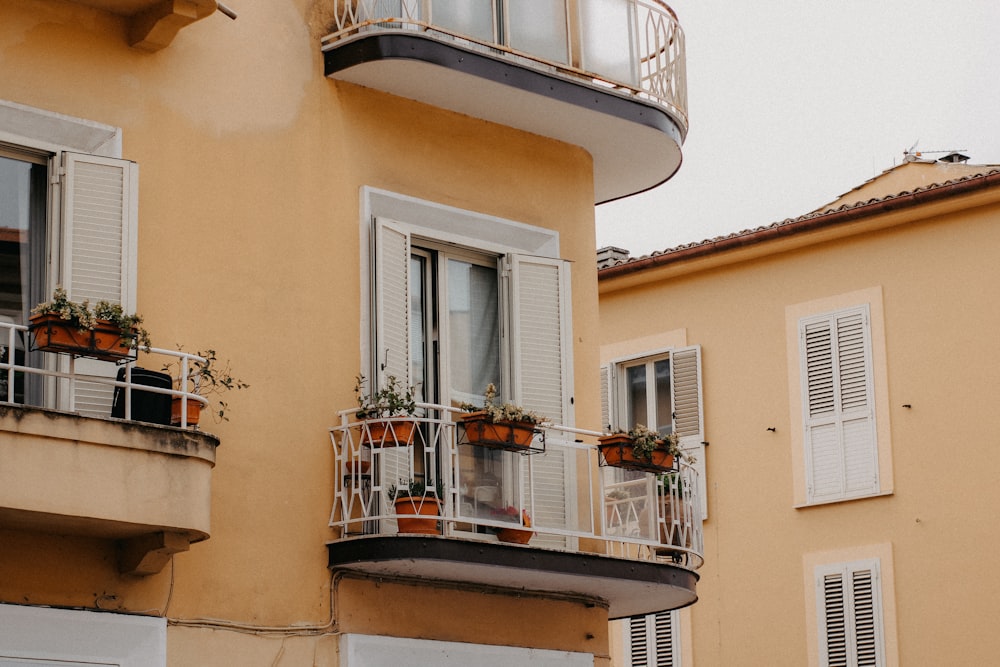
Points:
point(794, 102)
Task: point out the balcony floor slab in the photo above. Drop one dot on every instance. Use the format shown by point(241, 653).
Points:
point(628, 587)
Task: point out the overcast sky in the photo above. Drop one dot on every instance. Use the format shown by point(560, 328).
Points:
point(793, 102)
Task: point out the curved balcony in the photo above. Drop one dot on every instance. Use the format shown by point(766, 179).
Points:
point(607, 75)
point(632, 546)
point(83, 452)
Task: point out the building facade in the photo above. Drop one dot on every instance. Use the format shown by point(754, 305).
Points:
point(848, 465)
point(414, 185)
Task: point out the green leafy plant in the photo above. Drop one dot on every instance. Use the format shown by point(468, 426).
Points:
point(392, 400)
point(84, 318)
point(500, 411)
point(209, 378)
point(416, 488)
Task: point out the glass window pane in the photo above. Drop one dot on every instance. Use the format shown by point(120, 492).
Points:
point(664, 411)
point(538, 27)
point(608, 39)
point(473, 330)
point(418, 327)
point(635, 392)
point(473, 18)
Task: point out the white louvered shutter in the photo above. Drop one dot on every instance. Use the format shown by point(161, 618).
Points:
point(849, 608)
point(542, 374)
point(99, 240)
point(689, 418)
point(391, 340)
point(840, 446)
point(607, 414)
point(653, 640)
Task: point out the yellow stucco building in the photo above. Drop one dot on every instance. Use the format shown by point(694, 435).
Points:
point(848, 456)
point(313, 190)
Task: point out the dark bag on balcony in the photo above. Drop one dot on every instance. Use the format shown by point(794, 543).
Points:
point(147, 406)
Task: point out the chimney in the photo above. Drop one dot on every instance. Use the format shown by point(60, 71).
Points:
point(610, 255)
point(954, 157)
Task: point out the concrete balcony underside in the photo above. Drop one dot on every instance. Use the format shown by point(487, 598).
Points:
point(627, 587)
point(635, 144)
point(153, 24)
point(147, 487)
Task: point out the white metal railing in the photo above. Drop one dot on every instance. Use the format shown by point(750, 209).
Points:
point(483, 490)
point(635, 47)
point(60, 375)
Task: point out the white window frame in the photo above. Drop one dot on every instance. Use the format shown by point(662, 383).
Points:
point(691, 427)
point(841, 444)
point(658, 654)
point(81, 637)
point(82, 152)
point(842, 615)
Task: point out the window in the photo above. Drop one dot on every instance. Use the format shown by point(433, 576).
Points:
point(841, 454)
point(531, 26)
point(458, 303)
point(654, 640)
point(67, 217)
point(849, 609)
point(661, 391)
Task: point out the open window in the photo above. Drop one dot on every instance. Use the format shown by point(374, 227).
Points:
point(453, 311)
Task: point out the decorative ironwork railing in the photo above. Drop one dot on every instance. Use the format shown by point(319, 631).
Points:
point(552, 492)
point(635, 47)
point(60, 381)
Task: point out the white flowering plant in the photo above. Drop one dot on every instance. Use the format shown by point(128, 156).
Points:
point(500, 411)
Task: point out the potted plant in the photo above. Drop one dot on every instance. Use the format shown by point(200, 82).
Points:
point(514, 535)
point(209, 378)
point(383, 412)
point(498, 424)
point(105, 332)
point(640, 449)
point(417, 500)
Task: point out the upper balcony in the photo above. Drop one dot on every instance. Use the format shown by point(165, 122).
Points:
point(68, 468)
point(631, 545)
point(607, 75)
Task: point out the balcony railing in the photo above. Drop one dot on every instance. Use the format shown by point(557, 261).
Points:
point(556, 486)
point(46, 379)
point(633, 47)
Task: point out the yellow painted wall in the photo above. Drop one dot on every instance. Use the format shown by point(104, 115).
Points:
point(939, 281)
point(251, 163)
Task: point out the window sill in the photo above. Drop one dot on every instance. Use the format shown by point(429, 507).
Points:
point(880, 494)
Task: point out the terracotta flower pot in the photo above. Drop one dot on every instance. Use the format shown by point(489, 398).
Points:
point(193, 412)
point(388, 433)
point(423, 506)
point(617, 451)
point(479, 430)
point(54, 334)
point(515, 535)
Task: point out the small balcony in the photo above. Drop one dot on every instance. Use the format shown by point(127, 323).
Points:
point(68, 468)
point(607, 75)
point(542, 518)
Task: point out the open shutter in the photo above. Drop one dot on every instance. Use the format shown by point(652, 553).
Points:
point(391, 335)
point(840, 447)
point(608, 418)
point(689, 419)
point(542, 378)
point(99, 239)
point(850, 614)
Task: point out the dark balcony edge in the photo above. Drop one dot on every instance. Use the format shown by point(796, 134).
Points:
point(376, 47)
point(628, 587)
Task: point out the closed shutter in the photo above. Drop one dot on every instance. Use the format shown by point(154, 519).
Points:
point(689, 419)
point(607, 414)
point(840, 446)
point(99, 239)
point(391, 340)
point(542, 374)
point(850, 615)
point(654, 640)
